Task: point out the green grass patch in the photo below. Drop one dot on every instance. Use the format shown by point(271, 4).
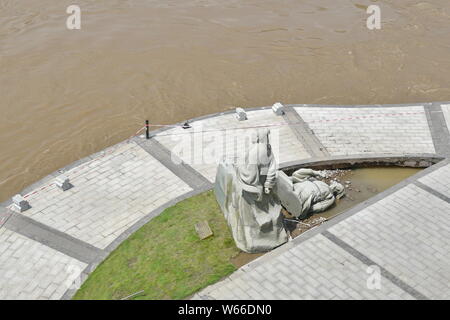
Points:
point(166, 258)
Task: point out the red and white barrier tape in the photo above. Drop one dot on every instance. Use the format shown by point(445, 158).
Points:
point(72, 174)
point(282, 123)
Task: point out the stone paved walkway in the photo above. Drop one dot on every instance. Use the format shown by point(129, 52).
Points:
point(405, 234)
point(47, 251)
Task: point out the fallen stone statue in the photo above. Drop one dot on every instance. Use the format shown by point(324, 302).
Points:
point(251, 196)
point(303, 194)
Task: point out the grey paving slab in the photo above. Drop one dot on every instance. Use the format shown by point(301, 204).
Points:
point(445, 107)
point(209, 140)
point(367, 261)
point(304, 134)
point(318, 269)
point(438, 180)
point(432, 191)
point(386, 106)
point(110, 194)
point(182, 170)
point(438, 128)
point(345, 131)
point(53, 238)
point(31, 270)
point(408, 234)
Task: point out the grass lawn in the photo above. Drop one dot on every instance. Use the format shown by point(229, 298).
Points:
point(166, 258)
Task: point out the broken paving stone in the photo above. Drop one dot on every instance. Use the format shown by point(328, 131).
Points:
point(203, 230)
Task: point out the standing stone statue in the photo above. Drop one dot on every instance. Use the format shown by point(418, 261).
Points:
point(245, 195)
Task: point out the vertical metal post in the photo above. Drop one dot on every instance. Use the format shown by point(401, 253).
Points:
point(147, 130)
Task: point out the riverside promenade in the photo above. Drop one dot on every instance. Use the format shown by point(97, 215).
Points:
point(47, 251)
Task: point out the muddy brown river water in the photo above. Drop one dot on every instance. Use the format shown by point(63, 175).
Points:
point(68, 93)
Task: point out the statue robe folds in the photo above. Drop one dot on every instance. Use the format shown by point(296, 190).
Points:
point(315, 195)
point(244, 193)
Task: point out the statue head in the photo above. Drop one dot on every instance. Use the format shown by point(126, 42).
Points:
point(337, 189)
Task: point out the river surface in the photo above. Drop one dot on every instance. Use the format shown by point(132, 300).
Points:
point(68, 93)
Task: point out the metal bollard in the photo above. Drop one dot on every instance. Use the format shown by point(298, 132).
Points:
point(20, 203)
point(147, 130)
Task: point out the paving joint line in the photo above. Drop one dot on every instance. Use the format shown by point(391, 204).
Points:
point(438, 128)
point(55, 239)
point(432, 191)
point(182, 170)
point(304, 134)
point(369, 262)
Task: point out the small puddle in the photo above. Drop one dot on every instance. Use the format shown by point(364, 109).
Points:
point(360, 185)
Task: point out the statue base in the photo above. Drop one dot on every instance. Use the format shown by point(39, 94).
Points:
point(256, 223)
